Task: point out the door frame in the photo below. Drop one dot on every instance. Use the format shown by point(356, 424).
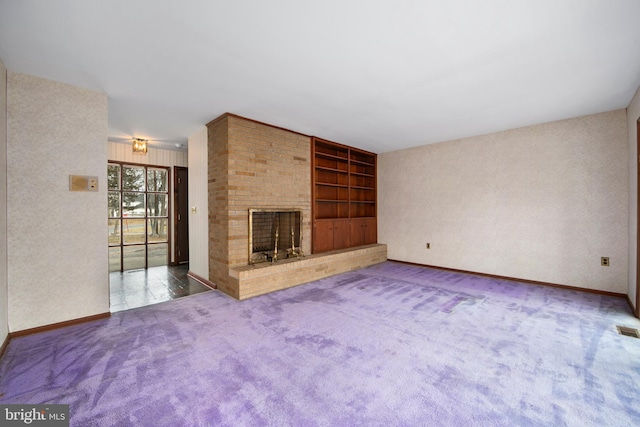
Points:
point(146, 166)
point(637, 307)
point(176, 213)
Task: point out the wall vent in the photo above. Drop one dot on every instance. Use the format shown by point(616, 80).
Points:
point(630, 332)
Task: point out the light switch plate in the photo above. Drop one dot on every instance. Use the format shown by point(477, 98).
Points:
point(83, 183)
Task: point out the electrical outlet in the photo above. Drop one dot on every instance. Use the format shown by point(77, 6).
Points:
point(604, 261)
point(93, 184)
point(428, 245)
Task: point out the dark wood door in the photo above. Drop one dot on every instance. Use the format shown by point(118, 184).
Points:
point(181, 214)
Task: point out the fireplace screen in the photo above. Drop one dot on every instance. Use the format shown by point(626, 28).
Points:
point(274, 234)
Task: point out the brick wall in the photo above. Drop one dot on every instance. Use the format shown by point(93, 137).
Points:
point(218, 189)
point(268, 168)
point(252, 165)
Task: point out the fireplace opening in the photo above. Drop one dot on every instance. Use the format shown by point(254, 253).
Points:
point(274, 235)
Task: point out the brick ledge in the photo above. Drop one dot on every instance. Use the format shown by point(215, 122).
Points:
point(253, 280)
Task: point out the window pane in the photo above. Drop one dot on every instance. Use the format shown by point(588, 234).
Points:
point(133, 257)
point(114, 258)
point(114, 204)
point(157, 229)
point(157, 255)
point(133, 205)
point(133, 230)
point(157, 179)
point(113, 177)
point(157, 204)
point(114, 232)
point(133, 178)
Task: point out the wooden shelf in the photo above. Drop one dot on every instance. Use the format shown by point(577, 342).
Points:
point(331, 156)
point(344, 196)
point(330, 184)
point(358, 162)
point(362, 174)
point(321, 168)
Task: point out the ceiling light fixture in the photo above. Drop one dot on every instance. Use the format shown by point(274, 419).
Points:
point(139, 146)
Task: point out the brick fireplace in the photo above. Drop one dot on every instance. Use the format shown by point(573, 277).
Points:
point(255, 166)
point(252, 166)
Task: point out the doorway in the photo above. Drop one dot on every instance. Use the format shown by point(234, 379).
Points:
point(138, 216)
point(181, 214)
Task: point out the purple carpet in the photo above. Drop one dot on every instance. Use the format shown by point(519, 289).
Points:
point(391, 344)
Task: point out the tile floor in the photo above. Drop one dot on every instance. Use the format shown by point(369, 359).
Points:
point(137, 288)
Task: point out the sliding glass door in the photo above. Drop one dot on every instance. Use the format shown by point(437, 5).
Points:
point(138, 216)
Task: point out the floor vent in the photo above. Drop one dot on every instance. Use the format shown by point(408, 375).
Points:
point(630, 332)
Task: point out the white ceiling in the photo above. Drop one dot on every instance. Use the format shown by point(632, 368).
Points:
point(376, 74)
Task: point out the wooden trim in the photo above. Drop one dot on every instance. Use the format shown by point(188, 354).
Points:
point(515, 279)
point(58, 325)
point(345, 147)
point(312, 220)
point(631, 305)
point(636, 309)
point(217, 119)
point(170, 223)
point(4, 345)
point(225, 115)
point(202, 280)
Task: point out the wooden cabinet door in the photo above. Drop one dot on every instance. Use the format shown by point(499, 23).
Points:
point(341, 234)
point(363, 231)
point(357, 232)
point(322, 236)
point(370, 231)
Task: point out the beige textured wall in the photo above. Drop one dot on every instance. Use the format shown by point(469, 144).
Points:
point(540, 203)
point(633, 115)
point(156, 157)
point(198, 221)
point(4, 325)
point(57, 243)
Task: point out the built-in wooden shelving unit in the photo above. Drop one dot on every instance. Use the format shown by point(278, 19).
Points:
point(344, 196)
